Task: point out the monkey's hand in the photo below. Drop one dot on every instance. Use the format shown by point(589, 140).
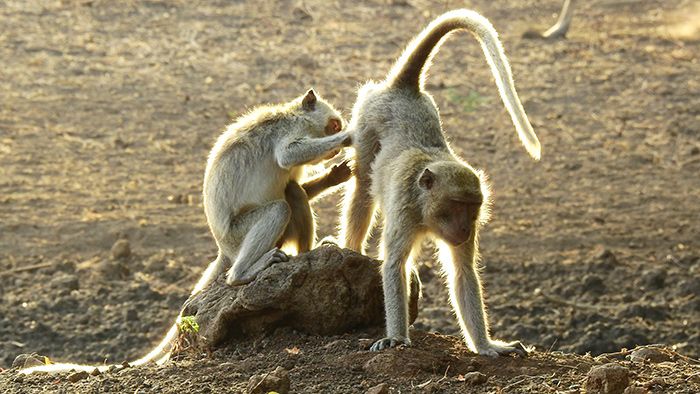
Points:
point(499, 348)
point(340, 173)
point(389, 342)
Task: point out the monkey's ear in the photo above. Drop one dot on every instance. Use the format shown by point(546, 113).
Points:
point(309, 101)
point(427, 179)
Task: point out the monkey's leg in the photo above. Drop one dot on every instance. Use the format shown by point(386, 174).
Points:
point(468, 303)
point(302, 227)
point(397, 244)
point(560, 28)
point(260, 229)
point(358, 211)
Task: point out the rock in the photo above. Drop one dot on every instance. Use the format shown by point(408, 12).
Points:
point(635, 390)
point(652, 312)
point(68, 282)
point(131, 315)
point(607, 379)
point(475, 378)
point(604, 256)
point(121, 249)
point(112, 270)
point(653, 279)
point(649, 354)
point(592, 284)
point(78, 376)
point(96, 372)
point(277, 381)
point(28, 360)
point(326, 291)
point(381, 388)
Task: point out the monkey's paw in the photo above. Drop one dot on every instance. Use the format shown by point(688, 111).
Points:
point(499, 348)
point(341, 172)
point(389, 342)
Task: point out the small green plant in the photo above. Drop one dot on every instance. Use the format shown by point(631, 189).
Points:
point(188, 325)
point(469, 103)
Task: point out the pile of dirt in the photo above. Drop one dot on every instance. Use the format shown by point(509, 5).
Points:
point(342, 364)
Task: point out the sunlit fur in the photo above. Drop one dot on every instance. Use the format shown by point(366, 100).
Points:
point(247, 182)
point(405, 168)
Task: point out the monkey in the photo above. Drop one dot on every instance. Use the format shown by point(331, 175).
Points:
point(560, 28)
point(256, 197)
point(405, 168)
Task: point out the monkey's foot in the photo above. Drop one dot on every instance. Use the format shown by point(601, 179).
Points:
point(328, 240)
point(236, 278)
point(389, 342)
point(499, 348)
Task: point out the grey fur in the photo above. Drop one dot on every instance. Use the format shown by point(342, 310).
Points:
point(398, 139)
point(248, 171)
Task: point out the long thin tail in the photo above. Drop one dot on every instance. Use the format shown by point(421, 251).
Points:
point(161, 353)
point(409, 70)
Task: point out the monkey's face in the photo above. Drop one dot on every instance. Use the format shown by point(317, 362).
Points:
point(455, 221)
point(453, 203)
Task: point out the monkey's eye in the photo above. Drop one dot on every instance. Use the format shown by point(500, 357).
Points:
point(334, 126)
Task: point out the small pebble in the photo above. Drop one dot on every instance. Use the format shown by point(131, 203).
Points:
point(381, 388)
point(121, 249)
point(77, 376)
point(608, 378)
point(475, 378)
point(649, 355)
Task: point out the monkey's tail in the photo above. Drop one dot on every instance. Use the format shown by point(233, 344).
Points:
point(409, 70)
point(159, 355)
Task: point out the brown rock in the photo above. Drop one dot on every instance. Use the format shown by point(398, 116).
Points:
point(325, 291)
point(121, 249)
point(381, 388)
point(649, 354)
point(475, 378)
point(28, 360)
point(607, 379)
point(635, 390)
point(78, 376)
point(277, 381)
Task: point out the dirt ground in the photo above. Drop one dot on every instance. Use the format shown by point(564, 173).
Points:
point(107, 113)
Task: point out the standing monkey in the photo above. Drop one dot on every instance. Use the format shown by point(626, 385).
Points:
point(404, 164)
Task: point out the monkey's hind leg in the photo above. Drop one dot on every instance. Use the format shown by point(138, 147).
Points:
point(260, 229)
point(467, 300)
point(301, 229)
point(358, 212)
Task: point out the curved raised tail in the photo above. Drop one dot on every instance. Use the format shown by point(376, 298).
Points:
point(160, 354)
point(409, 71)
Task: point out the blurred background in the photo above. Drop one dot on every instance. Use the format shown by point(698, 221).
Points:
point(108, 111)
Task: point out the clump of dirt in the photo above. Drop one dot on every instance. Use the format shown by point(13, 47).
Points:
point(342, 364)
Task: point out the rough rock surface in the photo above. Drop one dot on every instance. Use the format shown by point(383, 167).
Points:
point(608, 378)
point(325, 291)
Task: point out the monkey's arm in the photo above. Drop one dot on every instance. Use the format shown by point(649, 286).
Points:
point(305, 150)
point(335, 176)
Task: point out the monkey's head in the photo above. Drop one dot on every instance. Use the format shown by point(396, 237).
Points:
point(456, 200)
point(322, 118)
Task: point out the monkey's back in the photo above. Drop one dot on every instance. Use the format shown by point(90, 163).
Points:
point(242, 172)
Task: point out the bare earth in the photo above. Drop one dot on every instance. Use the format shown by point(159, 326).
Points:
point(107, 113)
